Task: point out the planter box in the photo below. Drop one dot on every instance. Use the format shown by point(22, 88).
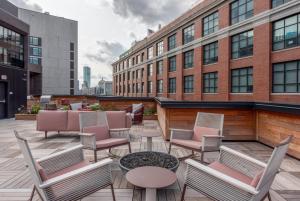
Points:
point(26, 117)
point(150, 117)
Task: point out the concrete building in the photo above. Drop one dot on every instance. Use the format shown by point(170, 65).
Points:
point(220, 50)
point(53, 53)
point(87, 76)
point(13, 60)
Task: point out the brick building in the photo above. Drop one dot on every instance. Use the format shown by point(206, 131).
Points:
point(220, 50)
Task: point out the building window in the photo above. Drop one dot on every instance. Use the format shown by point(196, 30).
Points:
point(286, 33)
point(188, 34)
point(35, 60)
point(210, 54)
point(128, 75)
point(172, 85)
point(241, 10)
point(72, 47)
point(72, 56)
point(172, 64)
point(142, 57)
point(72, 65)
point(149, 87)
point(150, 70)
point(242, 45)
point(242, 80)
point(72, 84)
point(133, 88)
point(189, 59)
point(160, 48)
point(286, 77)
point(211, 24)
point(276, 3)
point(160, 86)
point(137, 74)
point(133, 75)
point(150, 53)
point(189, 84)
point(160, 68)
point(35, 41)
point(36, 51)
point(142, 88)
point(210, 82)
point(128, 88)
point(172, 42)
point(142, 73)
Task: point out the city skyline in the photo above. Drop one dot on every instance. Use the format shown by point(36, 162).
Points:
point(100, 45)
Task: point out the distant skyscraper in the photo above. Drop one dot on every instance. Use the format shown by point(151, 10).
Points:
point(87, 76)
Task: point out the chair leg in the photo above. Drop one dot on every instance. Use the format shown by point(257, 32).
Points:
point(183, 192)
point(113, 192)
point(32, 193)
point(95, 156)
point(129, 147)
point(170, 146)
point(202, 157)
point(46, 134)
point(269, 196)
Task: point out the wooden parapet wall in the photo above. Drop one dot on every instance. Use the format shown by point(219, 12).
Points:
point(238, 124)
point(273, 127)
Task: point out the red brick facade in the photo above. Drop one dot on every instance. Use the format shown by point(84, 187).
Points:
point(261, 61)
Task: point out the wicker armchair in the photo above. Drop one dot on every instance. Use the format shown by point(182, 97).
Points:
point(66, 176)
point(96, 134)
point(137, 113)
point(235, 176)
point(206, 136)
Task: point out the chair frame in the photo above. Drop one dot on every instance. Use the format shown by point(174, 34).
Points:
point(88, 140)
point(217, 185)
point(63, 188)
point(206, 139)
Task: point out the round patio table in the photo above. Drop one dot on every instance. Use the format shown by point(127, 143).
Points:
point(149, 135)
point(151, 178)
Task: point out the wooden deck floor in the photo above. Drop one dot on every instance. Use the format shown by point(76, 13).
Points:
point(16, 183)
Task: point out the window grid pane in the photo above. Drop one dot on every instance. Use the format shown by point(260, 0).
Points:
point(242, 45)
point(286, 33)
point(188, 34)
point(286, 77)
point(189, 84)
point(172, 64)
point(241, 10)
point(210, 53)
point(172, 42)
point(210, 24)
point(241, 80)
point(210, 82)
point(172, 85)
point(189, 59)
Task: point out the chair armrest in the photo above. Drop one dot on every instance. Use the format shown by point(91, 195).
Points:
point(227, 179)
point(181, 134)
point(75, 173)
point(88, 140)
point(119, 133)
point(211, 142)
point(128, 120)
point(62, 159)
point(243, 156)
point(87, 134)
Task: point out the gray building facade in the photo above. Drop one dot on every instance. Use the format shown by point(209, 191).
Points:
point(53, 54)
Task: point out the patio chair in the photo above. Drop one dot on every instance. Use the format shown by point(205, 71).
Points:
point(206, 136)
point(235, 176)
point(66, 176)
point(137, 113)
point(96, 134)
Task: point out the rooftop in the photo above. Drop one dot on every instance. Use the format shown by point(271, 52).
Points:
point(16, 182)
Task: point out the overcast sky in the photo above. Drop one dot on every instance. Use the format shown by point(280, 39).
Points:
point(108, 27)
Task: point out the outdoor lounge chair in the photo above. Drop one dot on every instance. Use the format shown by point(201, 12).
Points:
point(235, 176)
point(96, 133)
point(206, 136)
point(66, 176)
point(137, 113)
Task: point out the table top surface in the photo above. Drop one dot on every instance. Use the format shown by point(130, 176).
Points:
point(151, 177)
point(150, 134)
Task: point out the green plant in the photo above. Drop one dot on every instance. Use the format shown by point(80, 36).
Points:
point(150, 111)
point(65, 108)
point(95, 107)
point(35, 109)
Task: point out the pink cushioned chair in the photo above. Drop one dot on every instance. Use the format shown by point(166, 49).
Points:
point(97, 134)
point(66, 176)
point(206, 136)
point(235, 176)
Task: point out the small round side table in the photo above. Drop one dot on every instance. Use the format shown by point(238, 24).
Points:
point(151, 178)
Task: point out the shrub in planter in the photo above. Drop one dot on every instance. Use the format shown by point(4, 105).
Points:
point(95, 107)
point(35, 109)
